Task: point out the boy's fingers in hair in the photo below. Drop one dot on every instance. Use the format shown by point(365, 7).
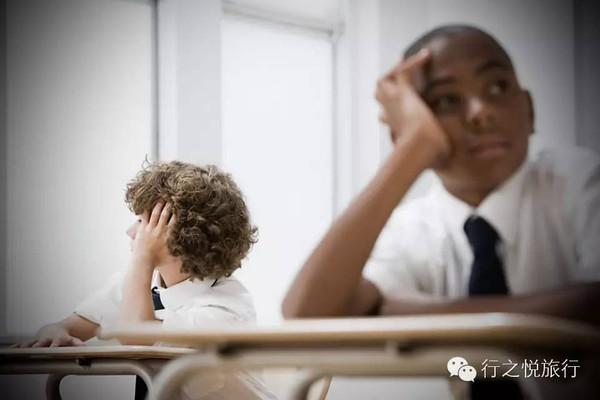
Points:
point(172, 221)
point(145, 217)
point(155, 214)
point(164, 215)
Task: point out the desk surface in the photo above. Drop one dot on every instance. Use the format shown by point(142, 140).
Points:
point(129, 352)
point(468, 329)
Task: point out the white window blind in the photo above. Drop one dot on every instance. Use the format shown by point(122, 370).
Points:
point(277, 143)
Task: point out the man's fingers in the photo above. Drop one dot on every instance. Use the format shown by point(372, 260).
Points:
point(408, 66)
point(383, 117)
point(56, 343)
point(387, 90)
point(164, 215)
point(417, 60)
point(77, 342)
point(155, 214)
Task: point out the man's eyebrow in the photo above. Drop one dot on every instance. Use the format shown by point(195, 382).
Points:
point(439, 82)
point(486, 66)
point(491, 64)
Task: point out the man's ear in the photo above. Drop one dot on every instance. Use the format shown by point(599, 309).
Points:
point(531, 111)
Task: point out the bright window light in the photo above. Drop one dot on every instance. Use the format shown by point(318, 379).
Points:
point(277, 143)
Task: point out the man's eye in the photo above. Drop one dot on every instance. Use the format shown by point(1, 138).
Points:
point(445, 103)
point(498, 87)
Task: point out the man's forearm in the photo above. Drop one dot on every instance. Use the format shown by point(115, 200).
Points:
point(331, 275)
point(578, 302)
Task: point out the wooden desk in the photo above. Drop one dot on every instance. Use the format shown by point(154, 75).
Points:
point(391, 346)
point(143, 361)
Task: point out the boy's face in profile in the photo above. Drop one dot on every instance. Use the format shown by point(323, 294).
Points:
point(473, 90)
point(132, 230)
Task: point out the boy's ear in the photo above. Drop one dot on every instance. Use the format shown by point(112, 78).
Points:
point(531, 111)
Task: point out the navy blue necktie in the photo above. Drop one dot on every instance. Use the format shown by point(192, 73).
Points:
point(487, 278)
point(487, 273)
point(158, 305)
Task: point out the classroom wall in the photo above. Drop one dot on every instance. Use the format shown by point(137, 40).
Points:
point(3, 164)
point(79, 125)
point(587, 65)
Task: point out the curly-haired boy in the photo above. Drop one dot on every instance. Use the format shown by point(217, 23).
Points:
point(192, 232)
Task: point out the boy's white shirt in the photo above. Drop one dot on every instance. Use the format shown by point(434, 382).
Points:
point(189, 304)
point(547, 215)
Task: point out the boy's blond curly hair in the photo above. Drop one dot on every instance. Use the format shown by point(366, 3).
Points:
point(213, 231)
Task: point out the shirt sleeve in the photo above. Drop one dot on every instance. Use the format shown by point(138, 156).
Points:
point(584, 210)
point(102, 306)
point(197, 317)
point(403, 260)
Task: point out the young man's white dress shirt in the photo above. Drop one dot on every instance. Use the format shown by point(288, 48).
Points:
point(190, 304)
point(547, 216)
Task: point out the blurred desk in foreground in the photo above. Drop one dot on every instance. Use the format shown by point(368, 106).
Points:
point(388, 346)
point(143, 361)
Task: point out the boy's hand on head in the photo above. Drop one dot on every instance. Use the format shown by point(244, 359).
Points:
point(407, 114)
point(150, 243)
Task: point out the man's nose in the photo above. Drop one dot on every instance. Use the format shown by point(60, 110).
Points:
point(479, 116)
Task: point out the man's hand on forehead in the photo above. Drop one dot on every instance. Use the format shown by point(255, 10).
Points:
point(412, 69)
point(405, 111)
point(408, 73)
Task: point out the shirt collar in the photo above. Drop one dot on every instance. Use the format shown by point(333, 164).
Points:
point(499, 208)
point(177, 295)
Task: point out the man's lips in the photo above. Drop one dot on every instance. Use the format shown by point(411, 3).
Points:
point(488, 149)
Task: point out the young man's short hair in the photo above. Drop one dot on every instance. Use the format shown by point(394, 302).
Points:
point(449, 30)
point(213, 231)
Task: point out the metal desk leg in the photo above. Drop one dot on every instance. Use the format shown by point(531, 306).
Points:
point(53, 387)
point(59, 369)
point(303, 384)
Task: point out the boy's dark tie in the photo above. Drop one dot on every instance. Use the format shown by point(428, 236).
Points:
point(487, 277)
point(158, 305)
point(141, 390)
